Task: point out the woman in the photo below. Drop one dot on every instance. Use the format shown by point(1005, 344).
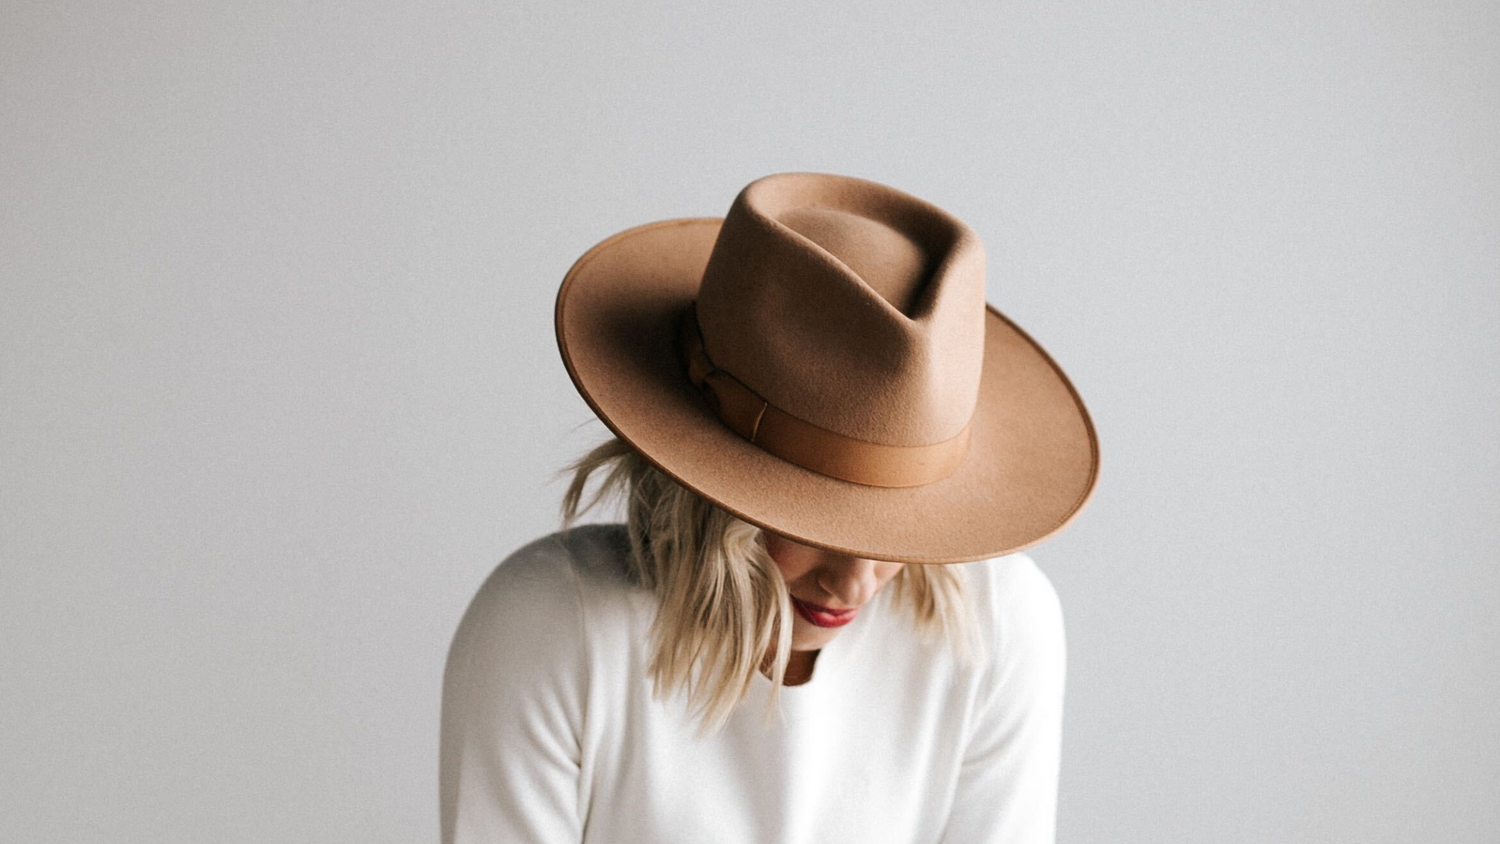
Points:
point(815, 623)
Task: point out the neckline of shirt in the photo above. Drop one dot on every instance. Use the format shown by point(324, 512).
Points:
point(833, 658)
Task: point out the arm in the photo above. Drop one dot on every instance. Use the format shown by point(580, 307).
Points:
point(512, 706)
point(1007, 788)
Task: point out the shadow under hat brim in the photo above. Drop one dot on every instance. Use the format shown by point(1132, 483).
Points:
point(1033, 457)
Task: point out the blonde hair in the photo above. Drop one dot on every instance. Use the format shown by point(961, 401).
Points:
point(722, 602)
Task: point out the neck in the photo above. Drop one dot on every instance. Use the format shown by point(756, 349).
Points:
point(799, 667)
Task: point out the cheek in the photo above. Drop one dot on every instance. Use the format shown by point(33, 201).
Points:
point(792, 573)
point(889, 574)
point(792, 565)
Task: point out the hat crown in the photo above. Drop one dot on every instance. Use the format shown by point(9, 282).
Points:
point(849, 304)
point(890, 262)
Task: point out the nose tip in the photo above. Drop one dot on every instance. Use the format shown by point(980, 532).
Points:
point(851, 581)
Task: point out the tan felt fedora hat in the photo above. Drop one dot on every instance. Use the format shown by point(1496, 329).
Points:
point(821, 362)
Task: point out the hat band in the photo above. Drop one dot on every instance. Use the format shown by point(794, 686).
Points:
point(803, 443)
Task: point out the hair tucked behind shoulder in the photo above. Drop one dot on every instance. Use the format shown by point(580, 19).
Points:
point(722, 602)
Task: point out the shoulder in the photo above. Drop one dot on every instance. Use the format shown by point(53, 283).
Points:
point(516, 686)
point(525, 614)
point(1015, 586)
point(1008, 781)
point(535, 579)
point(1021, 614)
point(550, 568)
point(535, 597)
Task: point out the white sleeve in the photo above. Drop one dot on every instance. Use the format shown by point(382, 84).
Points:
point(1007, 787)
point(512, 706)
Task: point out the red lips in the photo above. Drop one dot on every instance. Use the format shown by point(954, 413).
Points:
point(823, 616)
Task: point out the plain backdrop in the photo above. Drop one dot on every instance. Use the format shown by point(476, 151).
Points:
point(279, 383)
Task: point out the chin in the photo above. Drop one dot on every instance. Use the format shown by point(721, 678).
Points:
point(811, 640)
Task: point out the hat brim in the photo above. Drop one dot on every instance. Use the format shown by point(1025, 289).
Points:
point(1033, 457)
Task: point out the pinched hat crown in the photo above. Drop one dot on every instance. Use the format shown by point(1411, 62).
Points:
point(849, 319)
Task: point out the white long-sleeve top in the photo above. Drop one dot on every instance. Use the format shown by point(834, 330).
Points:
point(550, 732)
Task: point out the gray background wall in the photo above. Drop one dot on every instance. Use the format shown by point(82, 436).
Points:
point(278, 383)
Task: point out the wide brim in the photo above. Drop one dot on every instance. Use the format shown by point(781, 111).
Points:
point(1033, 457)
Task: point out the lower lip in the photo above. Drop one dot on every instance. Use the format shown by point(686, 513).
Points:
point(823, 619)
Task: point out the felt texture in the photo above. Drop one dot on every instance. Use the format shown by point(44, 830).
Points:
point(801, 327)
point(888, 360)
point(805, 444)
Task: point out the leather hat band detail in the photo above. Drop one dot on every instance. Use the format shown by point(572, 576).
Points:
point(803, 443)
